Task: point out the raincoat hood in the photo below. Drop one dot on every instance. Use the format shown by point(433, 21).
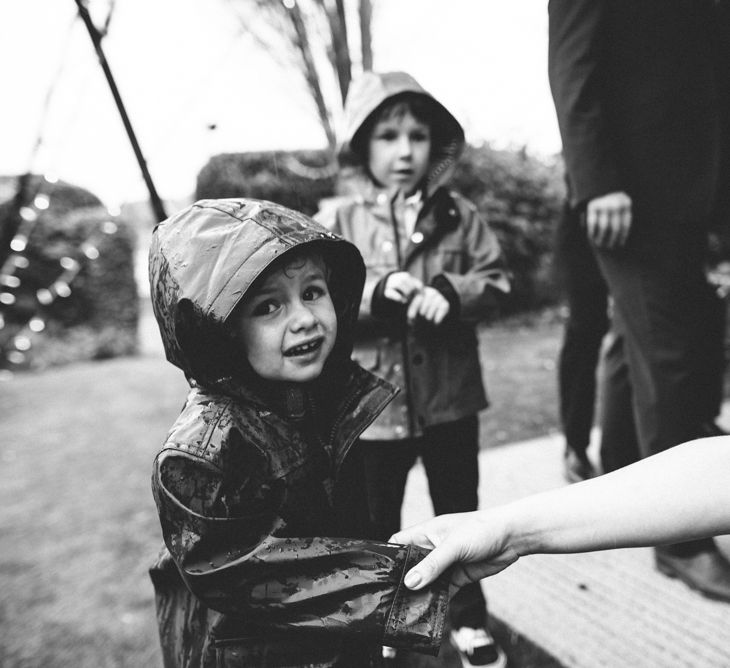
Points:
point(205, 258)
point(370, 92)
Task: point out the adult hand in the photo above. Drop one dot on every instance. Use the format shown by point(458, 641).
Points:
point(475, 544)
point(400, 287)
point(430, 304)
point(608, 220)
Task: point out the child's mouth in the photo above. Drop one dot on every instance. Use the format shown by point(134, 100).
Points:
point(304, 348)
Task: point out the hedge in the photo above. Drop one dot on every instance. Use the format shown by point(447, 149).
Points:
point(98, 318)
point(296, 179)
point(521, 196)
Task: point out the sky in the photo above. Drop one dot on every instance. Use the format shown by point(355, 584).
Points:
point(194, 86)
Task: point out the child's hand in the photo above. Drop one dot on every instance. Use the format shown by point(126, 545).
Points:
point(430, 304)
point(400, 287)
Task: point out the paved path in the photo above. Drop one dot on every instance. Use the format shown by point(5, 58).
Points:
point(602, 609)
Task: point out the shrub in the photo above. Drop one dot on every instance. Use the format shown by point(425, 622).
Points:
point(296, 179)
point(75, 250)
point(521, 196)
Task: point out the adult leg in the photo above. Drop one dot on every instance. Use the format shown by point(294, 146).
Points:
point(658, 301)
point(713, 359)
point(586, 297)
point(619, 446)
point(659, 298)
point(386, 465)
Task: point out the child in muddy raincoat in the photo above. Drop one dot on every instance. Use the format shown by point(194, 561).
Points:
point(259, 484)
point(434, 270)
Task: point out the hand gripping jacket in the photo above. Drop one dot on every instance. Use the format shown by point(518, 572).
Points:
point(258, 487)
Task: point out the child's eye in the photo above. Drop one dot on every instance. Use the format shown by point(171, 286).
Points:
point(419, 136)
point(314, 292)
point(264, 307)
point(387, 135)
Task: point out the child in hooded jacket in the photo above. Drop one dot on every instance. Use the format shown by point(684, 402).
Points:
point(434, 269)
point(259, 484)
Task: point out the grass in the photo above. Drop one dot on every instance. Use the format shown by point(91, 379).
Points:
point(79, 528)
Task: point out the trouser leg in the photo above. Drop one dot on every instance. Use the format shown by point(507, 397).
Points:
point(713, 356)
point(659, 304)
point(386, 465)
point(619, 446)
point(586, 297)
point(450, 456)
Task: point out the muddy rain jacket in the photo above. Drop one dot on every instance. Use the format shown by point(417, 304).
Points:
point(451, 248)
point(258, 486)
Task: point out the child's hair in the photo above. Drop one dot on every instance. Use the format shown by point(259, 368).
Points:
point(419, 106)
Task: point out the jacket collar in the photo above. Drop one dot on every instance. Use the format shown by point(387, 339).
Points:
point(340, 410)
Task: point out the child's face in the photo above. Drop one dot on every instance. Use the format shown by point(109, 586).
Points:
point(399, 151)
point(288, 326)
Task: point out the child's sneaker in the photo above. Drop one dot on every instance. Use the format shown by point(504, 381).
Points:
point(390, 656)
point(476, 647)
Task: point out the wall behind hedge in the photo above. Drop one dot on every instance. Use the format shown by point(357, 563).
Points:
point(518, 193)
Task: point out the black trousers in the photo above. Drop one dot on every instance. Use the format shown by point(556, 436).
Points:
point(586, 296)
point(662, 365)
point(450, 456)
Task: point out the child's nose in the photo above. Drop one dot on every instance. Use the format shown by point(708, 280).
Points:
point(302, 317)
point(404, 146)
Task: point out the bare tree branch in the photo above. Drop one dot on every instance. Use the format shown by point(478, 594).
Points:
point(365, 10)
point(311, 74)
point(311, 36)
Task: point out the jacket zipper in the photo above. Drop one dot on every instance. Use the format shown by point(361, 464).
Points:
point(405, 347)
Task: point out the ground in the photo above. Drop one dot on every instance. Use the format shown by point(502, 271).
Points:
point(79, 527)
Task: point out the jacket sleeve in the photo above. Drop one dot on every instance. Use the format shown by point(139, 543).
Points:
point(575, 74)
point(231, 560)
point(375, 310)
point(486, 279)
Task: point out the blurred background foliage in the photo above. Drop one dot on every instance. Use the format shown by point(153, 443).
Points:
point(73, 291)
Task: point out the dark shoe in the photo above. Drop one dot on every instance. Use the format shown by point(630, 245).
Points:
point(476, 647)
point(577, 467)
point(707, 572)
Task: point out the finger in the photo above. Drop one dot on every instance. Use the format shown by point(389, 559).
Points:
point(427, 308)
point(625, 226)
point(442, 312)
point(413, 285)
point(394, 295)
point(412, 537)
point(592, 225)
point(435, 307)
point(601, 228)
point(612, 229)
point(431, 566)
point(414, 307)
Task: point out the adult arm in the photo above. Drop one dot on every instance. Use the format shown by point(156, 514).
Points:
point(575, 52)
point(678, 495)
